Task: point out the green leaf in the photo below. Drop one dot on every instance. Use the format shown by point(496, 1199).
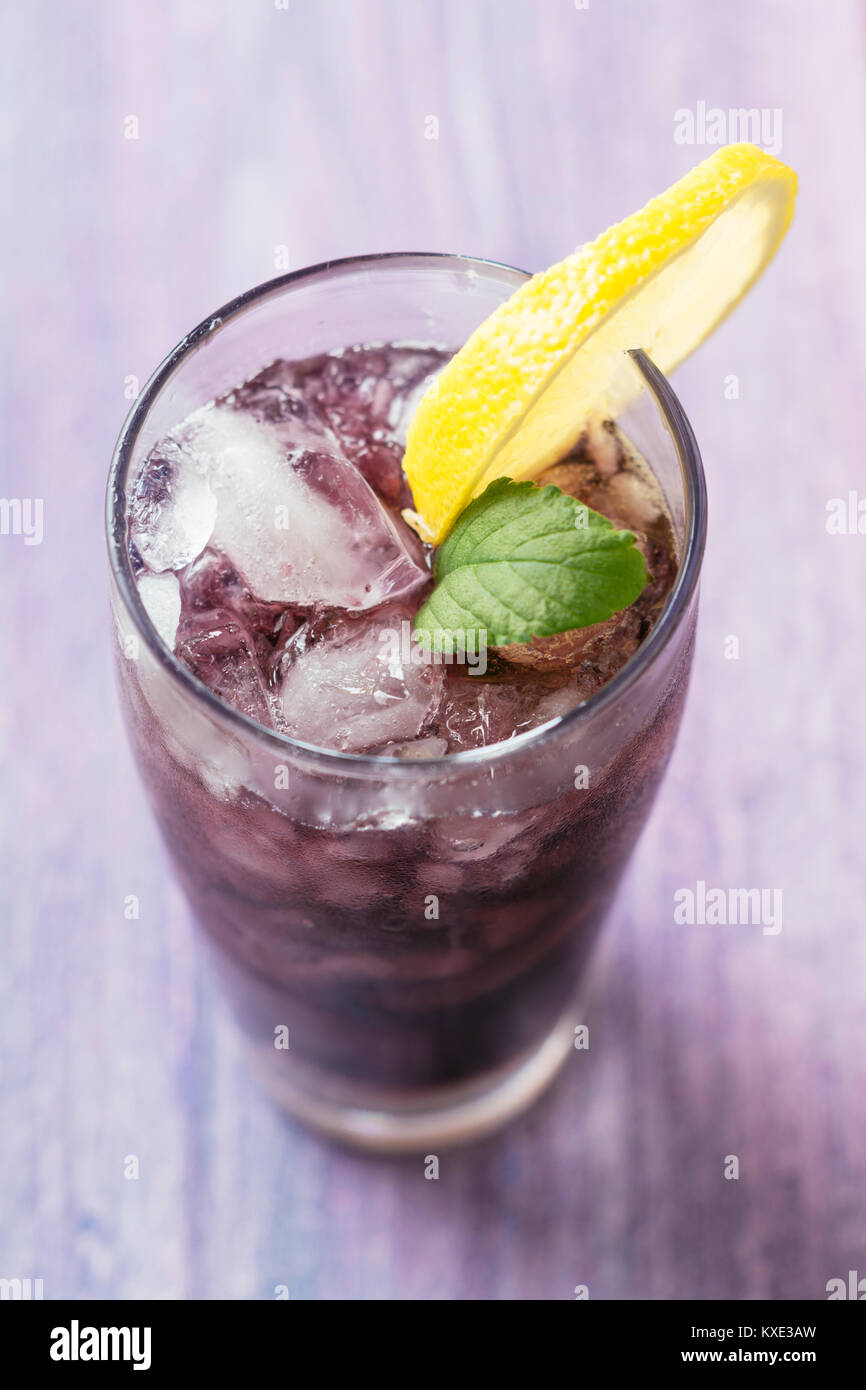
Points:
point(523, 561)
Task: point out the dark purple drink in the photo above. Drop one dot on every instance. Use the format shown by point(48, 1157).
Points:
point(290, 630)
point(402, 929)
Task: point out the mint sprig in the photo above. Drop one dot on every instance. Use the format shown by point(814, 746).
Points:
point(523, 561)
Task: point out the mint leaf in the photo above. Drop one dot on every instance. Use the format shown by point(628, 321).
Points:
point(523, 561)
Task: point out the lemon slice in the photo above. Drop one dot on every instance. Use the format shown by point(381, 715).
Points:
point(516, 396)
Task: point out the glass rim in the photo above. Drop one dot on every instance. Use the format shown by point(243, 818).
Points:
point(676, 604)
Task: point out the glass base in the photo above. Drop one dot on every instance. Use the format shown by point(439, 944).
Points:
point(452, 1115)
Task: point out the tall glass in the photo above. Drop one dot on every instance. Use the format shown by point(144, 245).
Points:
point(402, 941)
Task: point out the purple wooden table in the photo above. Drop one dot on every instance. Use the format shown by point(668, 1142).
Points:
point(159, 159)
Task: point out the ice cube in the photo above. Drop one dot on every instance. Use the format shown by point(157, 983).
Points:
point(211, 586)
point(173, 509)
point(475, 712)
point(270, 396)
point(160, 594)
point(363, 390)
point(224, 660)
point(354, 689)
point(404, 405)
point(381, 462)
point(365, 396)
point(297, 520)
point(353, 387)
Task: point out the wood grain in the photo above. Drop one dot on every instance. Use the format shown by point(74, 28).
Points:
point(305, 127)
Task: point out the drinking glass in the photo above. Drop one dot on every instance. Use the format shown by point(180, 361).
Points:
point(402, 941)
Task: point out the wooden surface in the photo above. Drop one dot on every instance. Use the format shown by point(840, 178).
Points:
point(305, 128)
